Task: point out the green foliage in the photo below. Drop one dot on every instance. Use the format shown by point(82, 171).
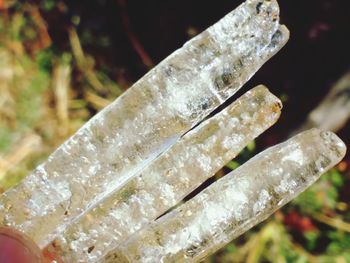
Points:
point(30, 99)
point(5, 138)
point(232, 165)
point(311, 239)
point(44, 59)
point(48, 5)
point(340, 241)
point(231, 248)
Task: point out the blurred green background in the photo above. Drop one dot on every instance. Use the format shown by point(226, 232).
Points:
point(63, 61)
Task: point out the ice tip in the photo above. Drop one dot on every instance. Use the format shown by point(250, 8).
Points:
point(262, 90)
point(333, 145)
point(269, 7)
point(261, 87)
point(285, 31)
point(280, 37)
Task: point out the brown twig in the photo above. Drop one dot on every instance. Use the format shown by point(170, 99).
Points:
point(84, 65)
point(82, 62)
point(333, 222)
point(97, 102)
point(146, 59)
point(60, 85)
point(44, 40)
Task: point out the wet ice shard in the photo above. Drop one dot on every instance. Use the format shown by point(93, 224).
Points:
point(176, 173)
point(152, 115)
point(235, 203)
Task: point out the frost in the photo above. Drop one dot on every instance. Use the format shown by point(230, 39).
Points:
point(175, 174)
point(254, 189)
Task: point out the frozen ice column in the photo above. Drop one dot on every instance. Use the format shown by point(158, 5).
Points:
point(151, 116)
point(235, 203)
point(165, 182)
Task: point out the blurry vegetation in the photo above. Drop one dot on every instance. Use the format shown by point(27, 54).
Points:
point(39, 108)
point(48, 90)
